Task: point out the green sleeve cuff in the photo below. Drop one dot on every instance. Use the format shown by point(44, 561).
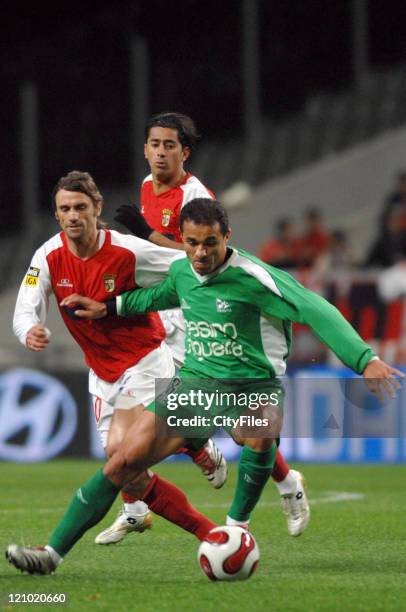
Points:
point(365, 359)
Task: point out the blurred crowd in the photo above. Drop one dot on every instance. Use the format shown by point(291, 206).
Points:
point(390, 245)
point(319, 248)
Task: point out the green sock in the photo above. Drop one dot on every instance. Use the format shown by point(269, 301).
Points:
point(87, 507)
point(254, 469)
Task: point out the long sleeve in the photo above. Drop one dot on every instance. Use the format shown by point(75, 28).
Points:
point(161, 297)
point(153, 262)
point(291, 301)
point(33, 297)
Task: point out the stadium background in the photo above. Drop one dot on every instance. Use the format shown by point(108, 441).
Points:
point(298, 105)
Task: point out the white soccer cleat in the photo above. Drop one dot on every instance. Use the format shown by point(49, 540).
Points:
point(32, 560)
point(296, 506)
point(123, 525)
point(212, 463)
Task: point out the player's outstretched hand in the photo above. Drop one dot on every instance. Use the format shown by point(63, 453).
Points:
point(379, 376)
point(83, 308)
point(37, 338)
point(132, 219)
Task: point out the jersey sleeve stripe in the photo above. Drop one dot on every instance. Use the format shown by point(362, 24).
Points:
point(257, 271)
point(274, 343)
point(192, 189)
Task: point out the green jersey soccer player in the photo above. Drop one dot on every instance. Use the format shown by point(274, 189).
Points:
point(238, 312)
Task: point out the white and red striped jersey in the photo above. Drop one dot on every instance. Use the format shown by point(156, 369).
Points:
point(162, 211)
point(121, 263)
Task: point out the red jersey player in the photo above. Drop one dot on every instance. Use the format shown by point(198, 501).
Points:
point(169, 140)
point(125, 357)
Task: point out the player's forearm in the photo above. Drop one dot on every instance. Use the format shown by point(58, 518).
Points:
point(30, 310)
point(335, 331)
point(21, 327)
point(146, 300)
point(304, 306)
point(33, 297)
point(163, 241)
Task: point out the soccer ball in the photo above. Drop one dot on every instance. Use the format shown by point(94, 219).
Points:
point(228, 553)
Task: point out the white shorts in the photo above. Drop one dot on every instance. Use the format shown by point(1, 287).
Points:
point(135, 386)
point(175, 328)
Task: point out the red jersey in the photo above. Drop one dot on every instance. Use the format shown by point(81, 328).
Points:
point(162, 211)
point(313, 244)
point(122, 262)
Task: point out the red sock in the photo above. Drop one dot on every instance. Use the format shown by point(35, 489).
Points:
point(186, 451)
point(197, 456)
point(127, 498)
point(280, 468)
point(167, 500)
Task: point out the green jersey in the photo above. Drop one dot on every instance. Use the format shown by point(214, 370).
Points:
point(238, 319)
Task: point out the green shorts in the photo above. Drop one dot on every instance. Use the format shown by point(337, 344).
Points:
point(193, 407)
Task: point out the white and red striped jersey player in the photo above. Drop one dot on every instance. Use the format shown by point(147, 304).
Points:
point(113, 348)
point(162, 211)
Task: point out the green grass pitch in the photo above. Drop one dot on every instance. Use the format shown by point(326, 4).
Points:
point(352, 556)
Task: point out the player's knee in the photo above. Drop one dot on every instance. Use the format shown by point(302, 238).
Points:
point(136, 454)
point(116, 469)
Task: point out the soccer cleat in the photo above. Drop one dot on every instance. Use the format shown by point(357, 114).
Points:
point(123, 525)
point(212, 463)
point(296, 506)
point(32, 560)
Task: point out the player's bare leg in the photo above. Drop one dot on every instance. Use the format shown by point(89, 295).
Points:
point(134, 515)
point(140, 449)
point(143, 447)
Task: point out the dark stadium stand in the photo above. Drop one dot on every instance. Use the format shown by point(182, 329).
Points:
point(327, 124)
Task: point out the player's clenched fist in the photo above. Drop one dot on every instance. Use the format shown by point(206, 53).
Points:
point(37, 338)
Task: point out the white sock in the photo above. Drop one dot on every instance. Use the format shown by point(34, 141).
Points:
point(56, 558)
point(288, 485)
point(233, 522)
point(137, 508)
